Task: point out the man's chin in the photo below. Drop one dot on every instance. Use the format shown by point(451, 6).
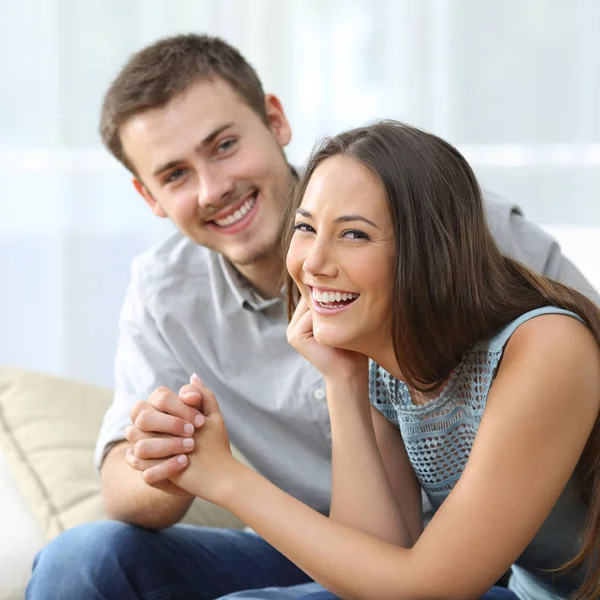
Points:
point(245, 255)
point(247, 258)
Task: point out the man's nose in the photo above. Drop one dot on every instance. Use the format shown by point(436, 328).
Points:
point(214, 189)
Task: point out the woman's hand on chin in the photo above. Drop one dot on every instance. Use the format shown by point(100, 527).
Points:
point(332, 362)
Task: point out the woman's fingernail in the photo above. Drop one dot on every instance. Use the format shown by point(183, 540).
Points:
point(188, 428)
point(182, 459)
point(190, 394)
point(187, 442)
point(198, 420)
point(194, 378)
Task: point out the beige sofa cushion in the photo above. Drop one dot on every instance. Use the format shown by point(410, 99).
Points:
point(48, 429)
point(20, 537)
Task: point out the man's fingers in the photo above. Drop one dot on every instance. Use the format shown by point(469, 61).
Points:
point(140, 464)
point(164, 470)
point(157, 422)
point(152, 448)
point(133, 434)
point(155, 472)
point(138, 407)
point(168, 402)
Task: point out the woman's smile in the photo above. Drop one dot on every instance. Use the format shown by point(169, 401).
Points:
point(342, 254)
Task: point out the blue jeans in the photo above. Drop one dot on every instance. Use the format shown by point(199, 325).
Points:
point(114, 561)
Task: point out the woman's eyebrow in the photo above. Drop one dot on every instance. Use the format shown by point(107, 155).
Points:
point(342, 219)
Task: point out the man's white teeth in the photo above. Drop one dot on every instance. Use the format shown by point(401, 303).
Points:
point(329, 297)
point(238, 214)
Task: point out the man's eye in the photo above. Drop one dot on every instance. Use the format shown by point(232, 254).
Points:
point(355, 234)
point(175, 175)
point(226, 145)
point(303, 227)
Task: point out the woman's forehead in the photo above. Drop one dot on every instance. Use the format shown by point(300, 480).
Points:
point(343, 182)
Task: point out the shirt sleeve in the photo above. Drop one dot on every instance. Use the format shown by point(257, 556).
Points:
point(143, 362)
point(556, 265)
point(523, 240)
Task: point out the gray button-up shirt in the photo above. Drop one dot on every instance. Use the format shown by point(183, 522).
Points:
point(188, 310)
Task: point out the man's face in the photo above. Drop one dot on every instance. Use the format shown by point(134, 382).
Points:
point(209, 162)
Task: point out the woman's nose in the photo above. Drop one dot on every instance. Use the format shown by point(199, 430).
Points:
point(319, 261)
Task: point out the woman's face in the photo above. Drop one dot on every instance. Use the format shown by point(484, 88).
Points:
point(342, 255)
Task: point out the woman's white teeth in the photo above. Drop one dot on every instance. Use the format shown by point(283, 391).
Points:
point(238, 214)
point(329, 297)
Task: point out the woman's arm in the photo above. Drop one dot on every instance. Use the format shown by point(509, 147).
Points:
point(373, 486)
point(540, 412)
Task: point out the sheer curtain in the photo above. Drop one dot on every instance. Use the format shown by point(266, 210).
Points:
point(515, 84)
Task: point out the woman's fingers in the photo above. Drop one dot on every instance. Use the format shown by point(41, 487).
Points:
point(153, 421)
point(154, 447)
point(300, 327)
point(300, 311)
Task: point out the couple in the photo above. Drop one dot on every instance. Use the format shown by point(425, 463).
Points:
point(389, 257)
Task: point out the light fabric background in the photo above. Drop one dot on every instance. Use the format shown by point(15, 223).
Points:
point(514, 83)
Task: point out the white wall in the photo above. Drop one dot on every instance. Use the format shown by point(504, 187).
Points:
point(513, 83)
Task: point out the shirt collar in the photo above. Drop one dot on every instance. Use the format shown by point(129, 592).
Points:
point(242, 289)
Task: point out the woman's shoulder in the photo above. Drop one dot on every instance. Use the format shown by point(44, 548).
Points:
point(556, 347)
point(551, 332)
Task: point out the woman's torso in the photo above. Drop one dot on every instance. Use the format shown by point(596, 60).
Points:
point(438, 436)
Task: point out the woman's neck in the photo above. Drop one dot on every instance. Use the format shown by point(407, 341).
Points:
point(385, 357)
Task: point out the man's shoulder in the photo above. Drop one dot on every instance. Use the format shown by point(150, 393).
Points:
point(499, 208)
point(516, 235)
point(176, 257)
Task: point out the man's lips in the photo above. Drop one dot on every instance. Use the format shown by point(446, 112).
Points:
point(230, 210)
point(240, 218)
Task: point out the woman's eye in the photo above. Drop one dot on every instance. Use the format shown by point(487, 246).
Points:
point(226, 145)
point(355, 234)
point(303, 227)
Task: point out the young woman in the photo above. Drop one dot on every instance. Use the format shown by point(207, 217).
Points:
point(482, 388)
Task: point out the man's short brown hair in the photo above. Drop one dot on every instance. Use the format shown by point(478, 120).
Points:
point(153, 76)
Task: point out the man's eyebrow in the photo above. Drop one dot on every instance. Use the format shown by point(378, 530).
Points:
point(343, 219)
point(207, 140)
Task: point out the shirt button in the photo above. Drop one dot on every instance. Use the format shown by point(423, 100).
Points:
point(319, 393)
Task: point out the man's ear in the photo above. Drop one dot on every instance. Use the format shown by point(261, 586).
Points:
point(277, 120)
point(155, 207)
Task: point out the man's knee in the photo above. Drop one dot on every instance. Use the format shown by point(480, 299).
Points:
point(84, 558)
point(99, 541)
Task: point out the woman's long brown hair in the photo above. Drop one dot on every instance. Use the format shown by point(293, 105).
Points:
point(452, 285)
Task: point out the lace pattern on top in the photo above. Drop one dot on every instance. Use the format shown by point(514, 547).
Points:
point(439, 434)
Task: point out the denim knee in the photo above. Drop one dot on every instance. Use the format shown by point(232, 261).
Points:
point(83, 561)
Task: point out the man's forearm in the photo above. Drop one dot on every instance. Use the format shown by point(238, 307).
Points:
point(127, 498)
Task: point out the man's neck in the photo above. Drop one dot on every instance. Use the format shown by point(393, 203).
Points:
point(265, 275)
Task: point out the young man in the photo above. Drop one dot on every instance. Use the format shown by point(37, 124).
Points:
point(188, 117)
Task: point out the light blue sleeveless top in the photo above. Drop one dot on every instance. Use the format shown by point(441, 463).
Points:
point(438, 437)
